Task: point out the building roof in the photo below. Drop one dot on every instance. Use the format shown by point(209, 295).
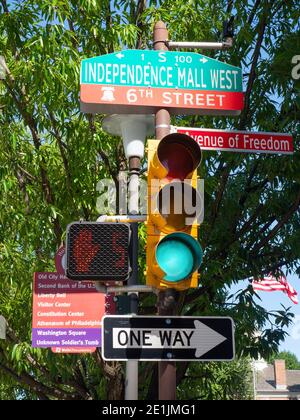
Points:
point(293, 380)
point(265, 380)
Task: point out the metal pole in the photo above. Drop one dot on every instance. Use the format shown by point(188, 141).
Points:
point(138, 288)
point(202, 45)
point(254, 379)
point(166, 299)
point(131, 382)
point(134, 218)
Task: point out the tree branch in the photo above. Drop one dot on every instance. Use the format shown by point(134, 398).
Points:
point(34, 385)
point(252, 76)
point(15, 340)
point(108, 23)
point(74, 41)
point(4, 5)
point(141, 6)
point(266, 226)
point(114, 374)
point(113, 173)
point(61, 149)
point(181, 371)
point(22, 185)
point(237, 235)
point(30, 122)
point(12, 337)
point(246, 227)
point(248, 183)
point(229, 7)
point(220, 193)
point(279, 225)
point(191, 297)
point(243, 121)
point(279, 6)
point(253, 11)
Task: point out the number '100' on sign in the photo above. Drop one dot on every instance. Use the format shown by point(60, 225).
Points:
point(98, 251)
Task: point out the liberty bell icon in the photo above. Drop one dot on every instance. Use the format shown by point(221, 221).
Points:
point(108, 94)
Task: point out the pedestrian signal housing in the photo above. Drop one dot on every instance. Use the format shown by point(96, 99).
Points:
point(98, 251)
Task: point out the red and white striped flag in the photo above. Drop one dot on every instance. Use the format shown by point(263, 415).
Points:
point(272, 284)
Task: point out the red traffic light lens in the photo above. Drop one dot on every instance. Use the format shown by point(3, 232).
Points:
point(179, 154)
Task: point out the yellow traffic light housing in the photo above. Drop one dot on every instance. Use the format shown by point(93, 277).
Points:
point(173, 251)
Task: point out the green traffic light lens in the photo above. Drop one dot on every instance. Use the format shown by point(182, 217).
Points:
point(178, 255)
point(175, 259)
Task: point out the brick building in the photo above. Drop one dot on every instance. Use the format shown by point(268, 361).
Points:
point(275, 382)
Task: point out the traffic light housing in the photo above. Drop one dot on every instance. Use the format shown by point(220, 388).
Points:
point(98, 251)
point(174, 254)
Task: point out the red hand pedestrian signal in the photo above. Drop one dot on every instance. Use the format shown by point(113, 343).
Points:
point(84, 250)
point(98, 251)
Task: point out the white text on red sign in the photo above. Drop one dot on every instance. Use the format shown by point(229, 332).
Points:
point(240, 141)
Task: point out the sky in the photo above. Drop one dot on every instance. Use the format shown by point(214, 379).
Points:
point(272, 301)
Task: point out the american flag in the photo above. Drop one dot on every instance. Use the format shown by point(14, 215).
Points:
point(272, 283)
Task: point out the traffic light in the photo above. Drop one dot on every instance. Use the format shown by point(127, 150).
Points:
point(98, 251)
point(173, 251)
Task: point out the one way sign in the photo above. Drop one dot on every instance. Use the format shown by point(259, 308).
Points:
point(167, 338)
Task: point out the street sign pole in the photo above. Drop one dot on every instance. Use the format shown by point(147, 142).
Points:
point(166, 299)
point(131, 382)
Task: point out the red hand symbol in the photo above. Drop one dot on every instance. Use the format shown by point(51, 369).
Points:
point(84, 250)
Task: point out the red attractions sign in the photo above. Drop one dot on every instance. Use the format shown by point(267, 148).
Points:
point(66, 315)
point(240, 141)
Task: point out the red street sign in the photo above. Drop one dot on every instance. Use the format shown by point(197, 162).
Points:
point(240, 141)
point(128, 99)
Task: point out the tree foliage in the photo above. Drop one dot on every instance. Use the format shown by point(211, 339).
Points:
point(218, 381)
point(52, 156)
point(291, 360)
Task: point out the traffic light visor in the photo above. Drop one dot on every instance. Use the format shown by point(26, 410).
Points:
point(178, 255)
point(179, 154)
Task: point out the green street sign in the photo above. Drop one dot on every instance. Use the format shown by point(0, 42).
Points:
point(148, 80)
point(178, 70)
